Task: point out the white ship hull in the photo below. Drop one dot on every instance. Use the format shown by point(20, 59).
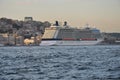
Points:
point(65, 43)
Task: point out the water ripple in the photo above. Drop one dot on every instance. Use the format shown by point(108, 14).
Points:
point(60, 63)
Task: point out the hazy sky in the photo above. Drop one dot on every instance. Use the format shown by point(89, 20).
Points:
point(104, 14)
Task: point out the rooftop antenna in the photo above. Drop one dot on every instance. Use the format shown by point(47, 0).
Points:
point(87, 25)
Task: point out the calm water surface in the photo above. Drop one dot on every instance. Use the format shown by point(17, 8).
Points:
point(60, 63)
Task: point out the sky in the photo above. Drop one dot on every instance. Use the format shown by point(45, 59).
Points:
point(102, 14)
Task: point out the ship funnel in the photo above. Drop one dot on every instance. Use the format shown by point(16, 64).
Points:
point(65, 23)
point(56, 23)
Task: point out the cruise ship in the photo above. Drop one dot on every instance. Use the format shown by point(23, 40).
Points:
point(66, 35)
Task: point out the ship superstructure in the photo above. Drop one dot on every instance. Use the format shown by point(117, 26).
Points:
point(65, 35)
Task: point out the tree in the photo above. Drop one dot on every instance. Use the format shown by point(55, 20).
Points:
point(46, 24)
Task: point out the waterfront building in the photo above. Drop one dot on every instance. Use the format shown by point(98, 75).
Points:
point(28, 19)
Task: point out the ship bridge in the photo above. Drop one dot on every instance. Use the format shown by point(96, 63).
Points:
point(50, 33)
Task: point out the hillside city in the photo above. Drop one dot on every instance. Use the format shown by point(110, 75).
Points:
point(30, 32)
point(14, 32)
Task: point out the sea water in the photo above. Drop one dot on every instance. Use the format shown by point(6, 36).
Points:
point(60, 63)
